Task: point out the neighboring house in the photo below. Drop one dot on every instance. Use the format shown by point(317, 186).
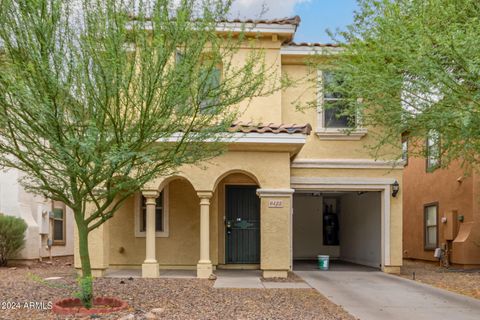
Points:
point(293, 185)
point(441, 209)
point(46, 220)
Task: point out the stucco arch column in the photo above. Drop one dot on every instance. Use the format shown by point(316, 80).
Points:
point(150, 268)
point(204, 266)
point(275, 232)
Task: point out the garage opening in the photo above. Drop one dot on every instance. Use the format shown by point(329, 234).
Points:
point(345, 225)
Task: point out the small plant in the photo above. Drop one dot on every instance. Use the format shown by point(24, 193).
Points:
point(12, 237)
point(85, 293)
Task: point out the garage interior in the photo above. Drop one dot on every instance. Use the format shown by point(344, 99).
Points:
point(345, 225)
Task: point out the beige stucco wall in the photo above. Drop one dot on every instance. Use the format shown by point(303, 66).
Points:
point(297, 107)
point(268, 108)
point(270, 169)
point(275, 235)
point(181, 247)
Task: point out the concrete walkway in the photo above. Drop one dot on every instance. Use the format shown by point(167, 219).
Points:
point(372, 295)
point(250, 279)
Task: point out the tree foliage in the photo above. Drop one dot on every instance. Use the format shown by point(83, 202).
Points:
point(98, 99)
point(413, 66)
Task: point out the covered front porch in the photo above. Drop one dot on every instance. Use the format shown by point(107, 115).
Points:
point(232, 212)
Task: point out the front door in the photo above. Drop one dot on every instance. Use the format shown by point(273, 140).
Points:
point(242, 225)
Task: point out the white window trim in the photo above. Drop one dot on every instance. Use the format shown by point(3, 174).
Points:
point(334, 133)
point(138, 210)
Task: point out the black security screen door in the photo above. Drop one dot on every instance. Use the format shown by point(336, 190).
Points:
point(242, 225)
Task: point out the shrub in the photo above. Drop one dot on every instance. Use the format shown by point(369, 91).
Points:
point(12, 237)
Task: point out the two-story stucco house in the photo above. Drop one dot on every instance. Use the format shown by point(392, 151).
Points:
point(292, 185)
point(441, 208)
point(49, 223)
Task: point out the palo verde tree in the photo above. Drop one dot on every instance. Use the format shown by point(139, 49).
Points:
point(99, 97)
point(413, 66)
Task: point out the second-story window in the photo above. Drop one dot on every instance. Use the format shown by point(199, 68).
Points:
point(405, 149)
point(334, 104)
point(210, 81)
point(433, 150)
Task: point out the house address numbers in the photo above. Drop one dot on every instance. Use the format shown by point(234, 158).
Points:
point(275, 203)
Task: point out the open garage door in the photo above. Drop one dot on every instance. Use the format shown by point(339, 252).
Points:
point(346, 225)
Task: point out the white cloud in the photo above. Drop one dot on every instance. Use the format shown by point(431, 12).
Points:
point(254, 8)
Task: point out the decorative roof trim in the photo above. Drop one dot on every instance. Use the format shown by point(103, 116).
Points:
point(271, 193)
point(309, 50)
point(238, 137)
point(348, 164)
point(256, 28)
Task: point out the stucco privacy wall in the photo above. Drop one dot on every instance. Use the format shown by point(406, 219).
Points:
point(360, 228)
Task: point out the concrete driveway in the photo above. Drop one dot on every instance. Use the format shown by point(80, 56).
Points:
point(369, 294)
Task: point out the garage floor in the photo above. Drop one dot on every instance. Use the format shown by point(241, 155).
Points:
point(335, 265)
point(370, 294)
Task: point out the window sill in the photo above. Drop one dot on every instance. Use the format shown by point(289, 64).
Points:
point(162, 234)
point(59, 243)
point(340, 134)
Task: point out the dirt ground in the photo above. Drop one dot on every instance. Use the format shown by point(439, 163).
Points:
point(465, 282)
point(180, 298)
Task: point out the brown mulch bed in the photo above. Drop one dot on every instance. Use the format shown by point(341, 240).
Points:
point(180, 298)
point(465, 282)
point(292, 277)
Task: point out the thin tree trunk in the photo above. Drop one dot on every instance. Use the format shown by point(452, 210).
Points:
point(86, 285)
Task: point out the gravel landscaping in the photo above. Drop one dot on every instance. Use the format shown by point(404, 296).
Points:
point(291, 277)
point(465, 282)
point(158, 298)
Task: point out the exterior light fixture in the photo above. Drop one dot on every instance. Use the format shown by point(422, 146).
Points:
point(395, 188)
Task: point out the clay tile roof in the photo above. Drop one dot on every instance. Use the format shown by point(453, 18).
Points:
point(270, 128)
point(291, 20)
point(310, 44)
point(287, 20)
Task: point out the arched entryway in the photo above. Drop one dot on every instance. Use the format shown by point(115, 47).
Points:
point(239, 220)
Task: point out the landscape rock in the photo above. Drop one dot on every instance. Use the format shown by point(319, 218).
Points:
point(127, 317)
point(157, 310)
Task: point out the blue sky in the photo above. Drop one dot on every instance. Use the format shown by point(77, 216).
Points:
point(319, 15)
